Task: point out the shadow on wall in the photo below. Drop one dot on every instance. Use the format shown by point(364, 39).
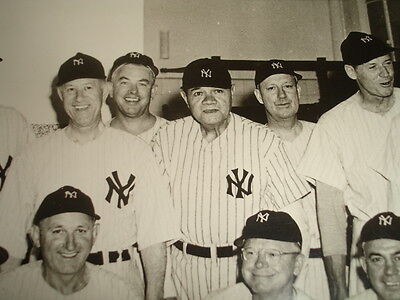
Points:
point(56, 103)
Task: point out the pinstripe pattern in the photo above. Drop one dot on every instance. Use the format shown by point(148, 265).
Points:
point(26, 282)
point(343, 145)
point(208, 215)
point(55, 161)
point(389, 165)
point(14, 135)
point(344, 142)
point(313, 269)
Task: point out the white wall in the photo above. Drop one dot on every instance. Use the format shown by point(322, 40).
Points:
point(37, 36)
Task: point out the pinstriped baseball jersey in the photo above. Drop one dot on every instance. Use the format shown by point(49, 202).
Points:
point(115, 170)
point(388, 163)
point(14, 135)
point(26, 282)
point(313, 269)
point(216, 185)
point(344, 142)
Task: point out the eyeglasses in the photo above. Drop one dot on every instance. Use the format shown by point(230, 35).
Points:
point(270, 255)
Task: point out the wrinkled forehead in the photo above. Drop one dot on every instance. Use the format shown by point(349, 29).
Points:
point(258, 243)
point(279, 79)
point(381, 247)
point(133, 70)
point(68, 219)
point(84, 81)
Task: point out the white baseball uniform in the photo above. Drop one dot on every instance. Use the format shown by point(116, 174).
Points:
point(389, 165)
point(312, 279)
point(15, 134)
point(343, 144)
point(241, 292)
point(215, 187)
point(117, 170)
point(26, 282)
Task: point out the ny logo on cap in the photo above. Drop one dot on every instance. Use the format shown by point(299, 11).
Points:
point(70, 195)
point(383, 221)
point(206, 73)
point(366, 39)
point(78, 62)
point(262, 217)
point(134, 55)
point(276, 65)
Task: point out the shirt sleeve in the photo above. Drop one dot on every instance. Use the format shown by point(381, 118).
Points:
point(322, 158)
point(17, 207)
point(156, 220)
point(284, 184)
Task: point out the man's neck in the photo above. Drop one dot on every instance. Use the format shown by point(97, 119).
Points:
point(286, 129)
point(286, 294)
point(66, 284)
point(376, 104)
point(83, 135)
point(134, 126)
point(210, 133)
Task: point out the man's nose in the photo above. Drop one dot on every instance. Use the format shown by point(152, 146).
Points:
point(70, 244)
point(261, 261)
point(391, 268)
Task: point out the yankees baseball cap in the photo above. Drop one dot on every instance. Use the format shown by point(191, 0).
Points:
point(359, 48)
point(206, 72)
point(270, 225)
point(272, 67)
point(80, 66)
point(64, 200)
point(134, 58)
point(383, 226)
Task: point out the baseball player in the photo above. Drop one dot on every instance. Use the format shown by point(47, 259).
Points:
point(270, 259)
point(113, 167)
point(133, 87)
point(65, 229)
point(278, 90)
point(380, 257)
point(222, 168)
point(343, 143)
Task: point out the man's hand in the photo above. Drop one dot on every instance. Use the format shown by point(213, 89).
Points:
point(154, 260)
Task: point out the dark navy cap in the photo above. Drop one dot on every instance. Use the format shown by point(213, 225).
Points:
point(383, 226)
point(134, 58)
point(272, 67)
point(270, 225)
point(64, 200)
point(359, 48)
point(206, 72)
point(80, 66)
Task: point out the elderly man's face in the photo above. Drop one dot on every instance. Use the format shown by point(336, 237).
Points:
point(375, 78)
point(280, 95)
point(264, 271)
point(82, 99)
point(210, 106)
point(382, 263)
point(65, 241)
point(133, 86)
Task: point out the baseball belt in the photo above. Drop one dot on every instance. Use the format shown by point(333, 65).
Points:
point(97, 258)
point(315, 253)
point(226, 251)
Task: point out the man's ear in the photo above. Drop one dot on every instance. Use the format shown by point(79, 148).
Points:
point(183, 94)
point(298, 87)
point(350, 71)
point(35, 235)
point(59, 94)
point(363, 263)
point(233, 89)
point(153, 91)
point(95, 231)
point(298, 264)
point(258, 96)
point(107, 90)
